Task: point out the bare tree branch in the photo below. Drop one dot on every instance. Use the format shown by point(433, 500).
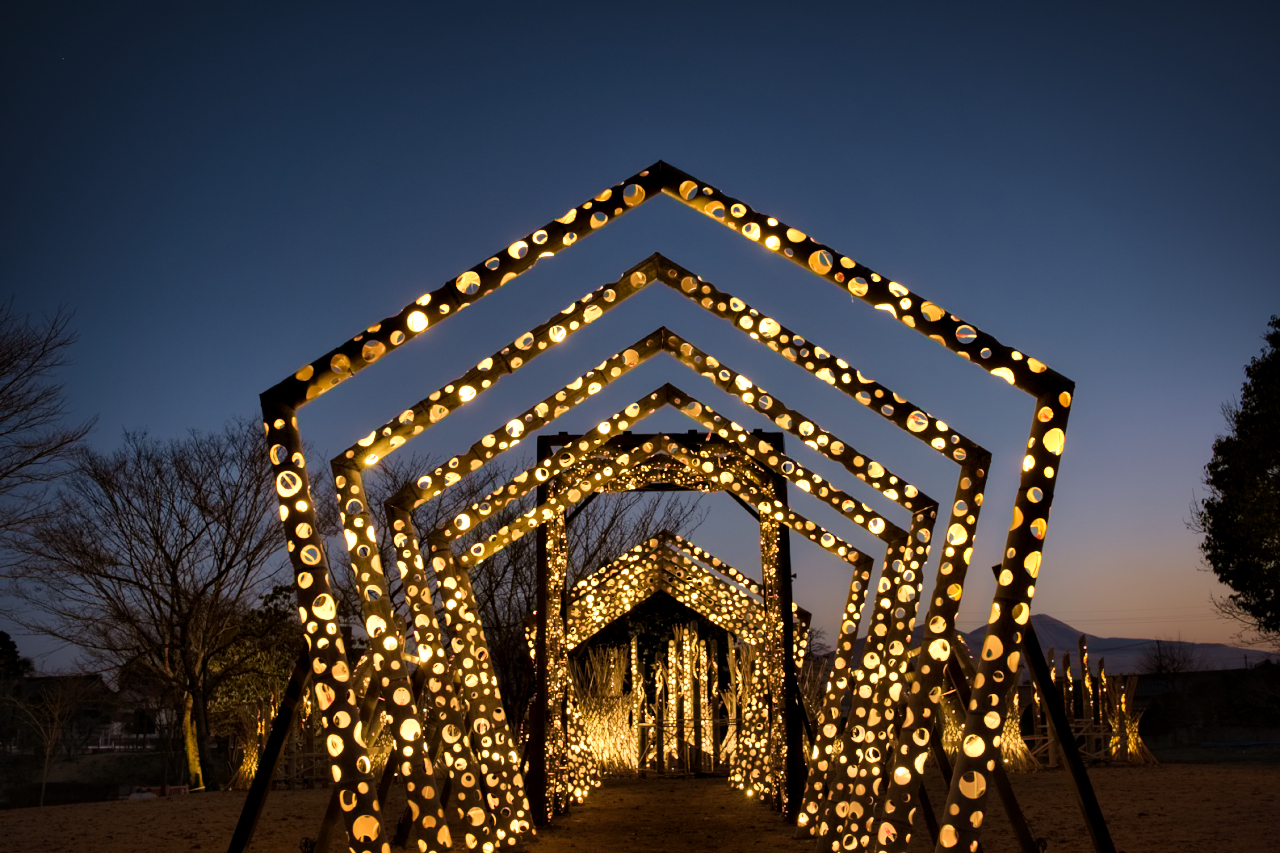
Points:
point(154, 557)
point(34, 446)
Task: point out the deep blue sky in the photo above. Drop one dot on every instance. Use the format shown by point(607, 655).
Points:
point(225, 191)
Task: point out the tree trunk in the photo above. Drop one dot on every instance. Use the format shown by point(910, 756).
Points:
point(200, 709)
point(195, 774)
point(44, 774)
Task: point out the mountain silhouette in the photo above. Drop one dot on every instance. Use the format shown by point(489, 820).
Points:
point(1125, 654)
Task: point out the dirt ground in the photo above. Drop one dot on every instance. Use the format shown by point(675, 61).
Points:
point(1150, 810)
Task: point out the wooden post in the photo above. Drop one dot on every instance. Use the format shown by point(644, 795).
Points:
point(1061, 726)
point(792, 706)
point(536, 776)
point(1055, 751)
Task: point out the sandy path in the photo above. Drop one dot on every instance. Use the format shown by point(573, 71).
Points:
point(1188, 808)
point(660, 816)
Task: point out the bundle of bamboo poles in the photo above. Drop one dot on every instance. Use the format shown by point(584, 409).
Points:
point(1101, 709)
point(1013, 749)
point(1099, 706)
point(601, 715)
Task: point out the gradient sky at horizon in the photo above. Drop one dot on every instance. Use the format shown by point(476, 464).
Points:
point(223, 192)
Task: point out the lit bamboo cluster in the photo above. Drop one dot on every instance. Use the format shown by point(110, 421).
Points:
point(683, 726)
point(864, 770)
point(609, 730)
point(687, 737)
point(1100, 709)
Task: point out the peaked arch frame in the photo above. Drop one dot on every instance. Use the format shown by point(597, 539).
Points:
point(619, 581)
point(347, 468)
point(779, 338)
point(738, 474)
point(890, 829)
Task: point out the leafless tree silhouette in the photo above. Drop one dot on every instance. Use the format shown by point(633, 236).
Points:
point(153, 557)
point(34, 445)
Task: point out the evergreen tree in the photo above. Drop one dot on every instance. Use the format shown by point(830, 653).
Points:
point(1240, 519)
point(12, 664)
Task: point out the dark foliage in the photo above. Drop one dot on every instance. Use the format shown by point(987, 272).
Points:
point(12, 664)
point(1240, 519)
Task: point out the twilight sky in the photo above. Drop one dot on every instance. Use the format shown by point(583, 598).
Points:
point(223, 192)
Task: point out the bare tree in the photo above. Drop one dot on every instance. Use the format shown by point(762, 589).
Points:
point(1250, 633)
point(34, 446)
point(1169, 657)
point(47, 709)
point(153, 558)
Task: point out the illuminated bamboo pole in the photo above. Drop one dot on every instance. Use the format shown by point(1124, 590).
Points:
point(679, 699)
point(889, 810)
point(388, 644)
point(737, 763)
point(710, 705)
point(698, 680)
point(557, 660)
point(349, 761)
point(498, 751)
point(687, 684)
point(1010, 614)
point(637, 702)
point(830, 724)
point(1068, 687)
point(1086, 681)
point(442, 703)
point(660, 716)
point(757, 727)
point(370, 722)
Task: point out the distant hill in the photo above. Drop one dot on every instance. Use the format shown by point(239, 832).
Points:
point(1125, 654)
